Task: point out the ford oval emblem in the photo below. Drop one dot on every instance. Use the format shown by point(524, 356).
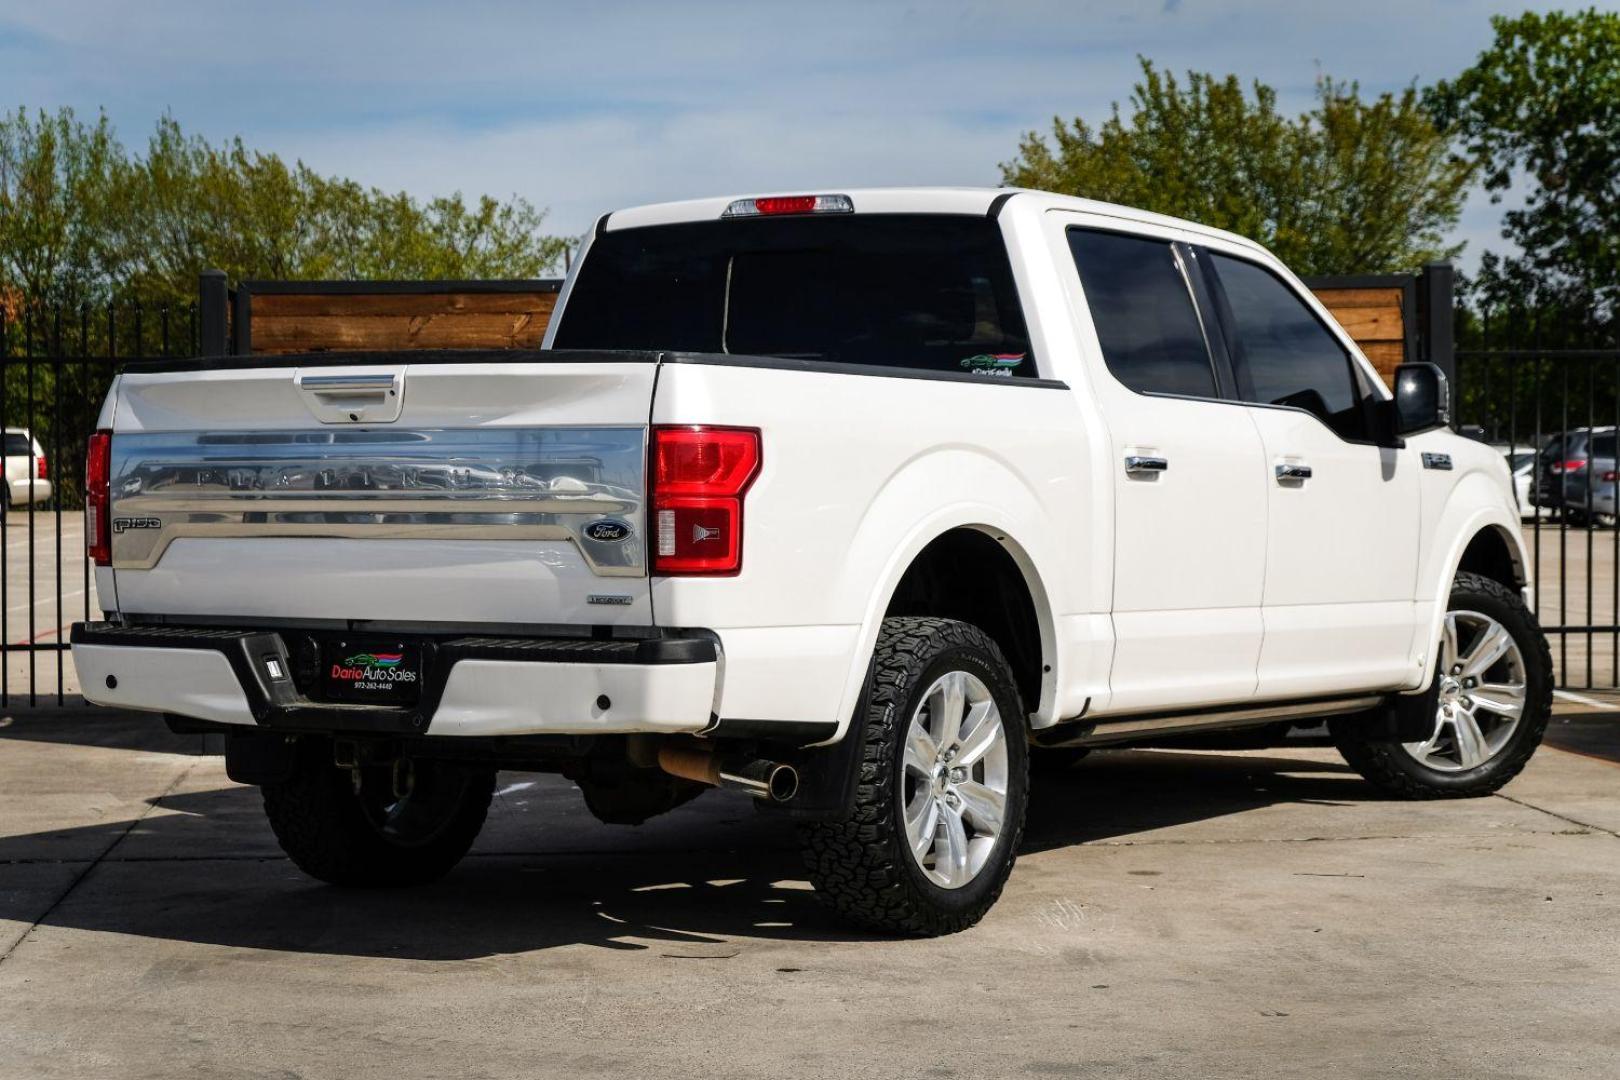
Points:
point(608, 531)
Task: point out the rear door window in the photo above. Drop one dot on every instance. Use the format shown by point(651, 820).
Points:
point(925, 291)
point(17, 445)
point(1143, 310)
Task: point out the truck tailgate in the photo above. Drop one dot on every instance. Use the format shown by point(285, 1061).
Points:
point(420, 488)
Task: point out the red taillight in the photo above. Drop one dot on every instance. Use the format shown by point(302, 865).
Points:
point(40, 470)
point(1609, 477)
point(699, 477)
point(97, 494)
point(1573, 465)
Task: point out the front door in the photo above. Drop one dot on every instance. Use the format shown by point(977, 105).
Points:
point(1342, 539)
point(1188, 479)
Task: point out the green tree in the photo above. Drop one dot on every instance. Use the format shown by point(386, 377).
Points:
point(83, 219)
point(1539, 111)
point(57, 179)
point(1350, 186)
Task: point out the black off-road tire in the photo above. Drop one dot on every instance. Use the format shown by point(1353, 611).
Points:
point(327, 830)
point(860, 865)
point(1382, 760)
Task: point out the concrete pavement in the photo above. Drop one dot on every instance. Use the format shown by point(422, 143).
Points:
point(1173, 914)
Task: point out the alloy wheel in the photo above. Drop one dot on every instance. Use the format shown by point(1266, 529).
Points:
point(1482, 694)
point(954, 782)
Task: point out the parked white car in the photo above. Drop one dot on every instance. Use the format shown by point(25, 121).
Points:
point(1521, 462)
point(855, 502)
point(28, 478)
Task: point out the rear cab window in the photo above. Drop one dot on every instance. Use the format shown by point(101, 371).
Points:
point(927, 292)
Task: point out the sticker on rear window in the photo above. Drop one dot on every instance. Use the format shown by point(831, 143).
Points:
point(994, 363)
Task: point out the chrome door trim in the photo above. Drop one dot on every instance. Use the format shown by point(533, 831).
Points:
point(495, 483)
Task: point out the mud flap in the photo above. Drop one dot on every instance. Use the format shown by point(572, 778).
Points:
point(260, 757)
point(1406, 717)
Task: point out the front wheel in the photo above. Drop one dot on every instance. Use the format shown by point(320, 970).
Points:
point(942, 787)
point(381, 825)
point(1484, 716)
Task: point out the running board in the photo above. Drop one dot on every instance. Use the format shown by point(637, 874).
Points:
point(1181, 722)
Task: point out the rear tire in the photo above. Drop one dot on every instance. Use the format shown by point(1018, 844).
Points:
point(1470, 749)
point(943, 772)
point(373, 837)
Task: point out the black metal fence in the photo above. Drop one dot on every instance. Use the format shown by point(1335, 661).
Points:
point(56, 362)
point(1521, 385)
point(1517, 387)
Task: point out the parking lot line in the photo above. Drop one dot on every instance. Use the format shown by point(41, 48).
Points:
point(1581, 699)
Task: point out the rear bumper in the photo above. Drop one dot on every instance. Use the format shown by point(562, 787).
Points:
point(473, 686)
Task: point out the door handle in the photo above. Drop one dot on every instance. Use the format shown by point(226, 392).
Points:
point(1292, 471)
point(1142, 465)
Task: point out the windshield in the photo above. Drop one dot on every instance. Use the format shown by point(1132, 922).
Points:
point(933, 292)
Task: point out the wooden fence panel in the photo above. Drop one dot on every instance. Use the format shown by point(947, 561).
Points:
point(285, 317)
point(1376, 318)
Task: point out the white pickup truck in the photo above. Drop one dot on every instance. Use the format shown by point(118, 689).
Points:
point(859, 502)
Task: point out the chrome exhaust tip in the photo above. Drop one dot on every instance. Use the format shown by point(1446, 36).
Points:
point(771, 781)
point(768, 780)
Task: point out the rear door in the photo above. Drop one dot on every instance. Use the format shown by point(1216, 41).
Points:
point(1343, 513)
point(1187, 473)
point(420, 489)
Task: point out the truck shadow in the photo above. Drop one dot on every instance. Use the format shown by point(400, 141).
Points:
point(704, 882)
point(78, 724)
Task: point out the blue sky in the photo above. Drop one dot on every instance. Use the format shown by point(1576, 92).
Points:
point(585, 107)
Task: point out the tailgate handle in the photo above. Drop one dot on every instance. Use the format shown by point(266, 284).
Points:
point(346, 384)
point(353, 397)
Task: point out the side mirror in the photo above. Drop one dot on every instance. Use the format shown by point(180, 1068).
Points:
point(1422, 398)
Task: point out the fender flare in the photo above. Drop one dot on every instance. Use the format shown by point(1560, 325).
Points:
point(1461, 525)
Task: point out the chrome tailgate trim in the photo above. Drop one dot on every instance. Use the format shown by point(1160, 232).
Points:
point(496, 483)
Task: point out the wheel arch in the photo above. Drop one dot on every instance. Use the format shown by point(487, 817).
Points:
point(978, 576)
point(1037, 526)
point(1493, 553)
point(934, 545)
point(1475, 532)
